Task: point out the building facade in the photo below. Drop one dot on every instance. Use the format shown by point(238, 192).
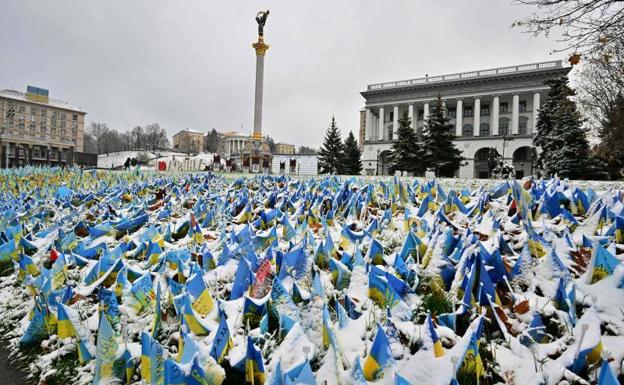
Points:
point(232, 143)
point(494, 108)
point(189, 141)
point(35, 129)
point(284, 148)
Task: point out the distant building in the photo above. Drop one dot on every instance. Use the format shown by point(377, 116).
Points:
point(294, 164)
point(35, 129)
point(284, 148)
point(493, 108)
point(232, 143)
point(189, 141)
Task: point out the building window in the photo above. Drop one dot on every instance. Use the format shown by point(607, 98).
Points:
point(32, 126)
point(75, 117)
point(485, 110)
point(484, 130)
point(503, 127)
point(522, 106)
point(21, 108)
point(21, 125)
point(451, 112)
point(468, 111)
point(392, 116)
point(504, 108)
point(421, 114)
point(467, 130)
point(523, 123)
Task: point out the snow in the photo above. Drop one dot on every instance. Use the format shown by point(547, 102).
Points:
point(191, 196)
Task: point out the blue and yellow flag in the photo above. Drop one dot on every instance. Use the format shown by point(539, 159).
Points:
point(174, 374)
point(438, 350)
point(68, 326)
point(375, 252)
point(379, 357)
point(254, 366)
point(192, 320)
point(222, 341)
point(604, 263)
point(341, 275)
point(157, 313)
point(106, 354)
point(199, 290)
point(607, 376)
point(471, 365)
point(619, 229)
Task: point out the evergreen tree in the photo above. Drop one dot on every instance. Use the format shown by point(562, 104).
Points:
point(440, 153)
point(352, 156)
point(407, 150)
point(611, 133)
point(561, 139)
point(331, 154)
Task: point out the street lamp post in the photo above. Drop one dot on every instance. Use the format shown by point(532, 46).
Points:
point(377, 168)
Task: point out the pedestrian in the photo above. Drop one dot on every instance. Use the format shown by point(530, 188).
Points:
point(127, 164)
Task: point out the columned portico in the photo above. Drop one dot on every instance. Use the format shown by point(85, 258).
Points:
point(505, 101)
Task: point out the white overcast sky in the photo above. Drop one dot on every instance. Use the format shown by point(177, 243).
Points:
point(190, 64)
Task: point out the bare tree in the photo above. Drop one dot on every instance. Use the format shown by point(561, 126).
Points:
point(99, 131)
point(589, 26)
point(138, 136)
point(600, 83)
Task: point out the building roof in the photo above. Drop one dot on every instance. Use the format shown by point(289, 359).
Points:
point(57, 103)
point(233, 133)
point(471, 75)
point(188, 131)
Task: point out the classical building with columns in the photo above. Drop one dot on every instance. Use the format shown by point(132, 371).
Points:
point(489, 108)
point(232, 143)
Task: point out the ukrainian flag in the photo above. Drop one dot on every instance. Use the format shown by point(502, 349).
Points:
point(619, 229)
point(607, 376)
point(174, 374)
point(471, 364)
point(27, 267)
point(67, 329)
point(380, 356)
point(380, 291)
point(438, 350)
point(197, 288)
point(587, 357)
point(254, 367)
point(157, 313)
point(222, 342)
point(341, 275)
point(195, 326)
point(106, 353)
point(604, 263)
point(375, 253)
point(327, 333)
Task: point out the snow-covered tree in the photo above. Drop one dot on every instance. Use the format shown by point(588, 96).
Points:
point(561, 138)
point(441, 155)
point(331, 154)
point(407, 150)
point(352, 156)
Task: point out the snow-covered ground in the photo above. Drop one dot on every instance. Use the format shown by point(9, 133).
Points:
point(347, 280)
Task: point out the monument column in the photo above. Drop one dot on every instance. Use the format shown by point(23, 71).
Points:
point(410, 114)
point(260, 47)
